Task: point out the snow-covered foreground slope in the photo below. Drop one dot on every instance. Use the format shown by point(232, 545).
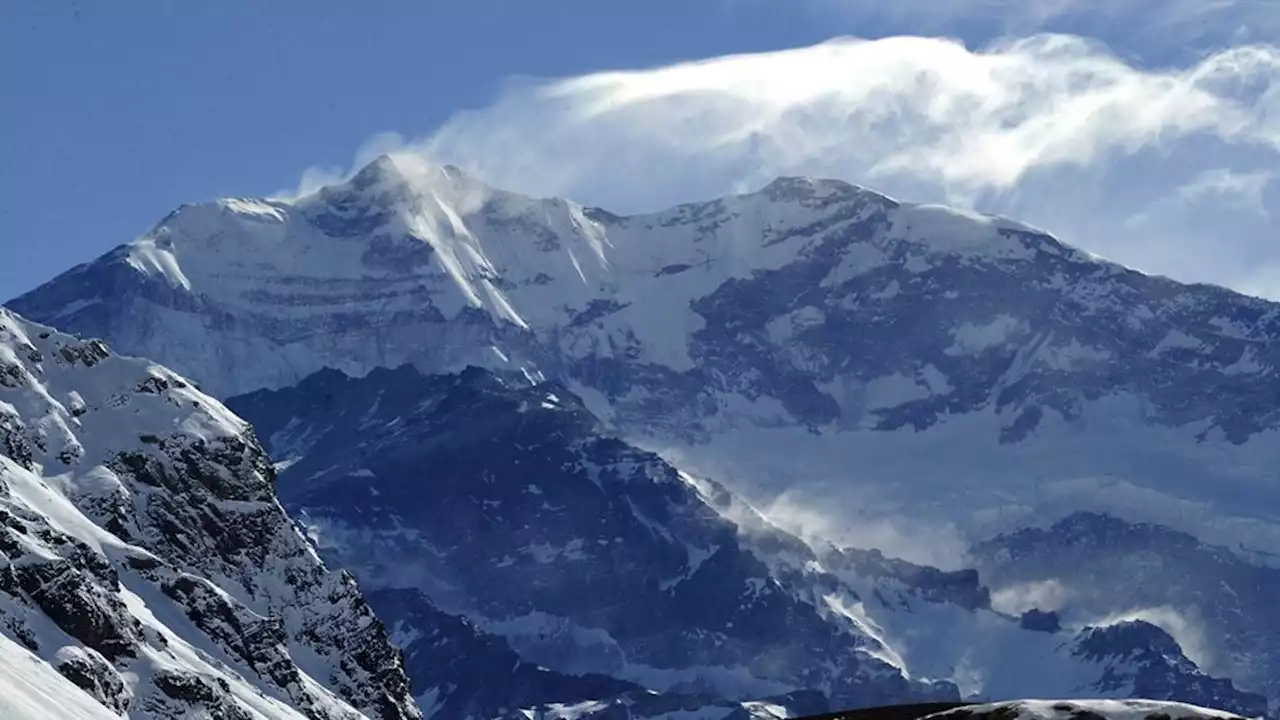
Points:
point(144, 558)
point(499, 522)
point(1083, 710)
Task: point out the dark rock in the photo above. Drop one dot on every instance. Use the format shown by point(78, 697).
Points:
point(512, 501)
point(1040, 621)
point(93, 674)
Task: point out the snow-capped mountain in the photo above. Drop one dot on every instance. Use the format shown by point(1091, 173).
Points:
point(881, 374)
point(504, 517)
point(146, 564)
point(812, 336)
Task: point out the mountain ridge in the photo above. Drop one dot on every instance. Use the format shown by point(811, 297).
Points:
point(808, 307)
point(143, 555)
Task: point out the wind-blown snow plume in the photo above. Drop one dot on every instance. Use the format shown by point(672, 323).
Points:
point(939, 544)
point(1166, 168)
point(1149, 31)
point(1043, 595)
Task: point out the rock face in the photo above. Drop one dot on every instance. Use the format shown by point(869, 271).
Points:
point(468, 673)
point(1147, 662)
point(145, 558)
point(475, 674)
point(502, 518)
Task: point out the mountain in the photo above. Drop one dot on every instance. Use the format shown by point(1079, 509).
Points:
point(506, 505)
point(503, 518)
point(813, 336)
point(146, 565)
point(1093, 565)
point(869, 372)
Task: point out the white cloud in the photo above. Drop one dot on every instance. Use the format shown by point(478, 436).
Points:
point(1164, 170)
point(1149, 31)
point(1044, 595)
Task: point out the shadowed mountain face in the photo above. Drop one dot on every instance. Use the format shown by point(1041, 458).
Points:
point(502, 518)
point(507, 505)
point(893, 712)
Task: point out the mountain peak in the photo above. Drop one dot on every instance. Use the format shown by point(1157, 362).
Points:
point(393, 186)
point(806, 181)
point(381, 171)
point(408, 173)
point(805, 187)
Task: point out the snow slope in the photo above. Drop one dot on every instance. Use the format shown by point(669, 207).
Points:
point(1072, 709)
point(35, 691)
point(144, 558)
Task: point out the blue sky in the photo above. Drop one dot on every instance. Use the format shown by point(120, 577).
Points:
point(1161, 157)
point(116, 113)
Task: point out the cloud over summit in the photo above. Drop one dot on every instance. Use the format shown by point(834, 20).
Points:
point(1167, 169)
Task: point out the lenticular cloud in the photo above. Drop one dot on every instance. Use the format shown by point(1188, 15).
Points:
point(1167, 170)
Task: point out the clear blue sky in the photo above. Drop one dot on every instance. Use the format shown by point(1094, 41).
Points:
point(114, 113)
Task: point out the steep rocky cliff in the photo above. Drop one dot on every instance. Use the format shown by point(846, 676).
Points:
point(143, 554)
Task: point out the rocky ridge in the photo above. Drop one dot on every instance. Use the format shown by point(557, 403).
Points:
point(146, 558)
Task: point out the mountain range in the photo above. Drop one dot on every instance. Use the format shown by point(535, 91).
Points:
point(777, 453)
